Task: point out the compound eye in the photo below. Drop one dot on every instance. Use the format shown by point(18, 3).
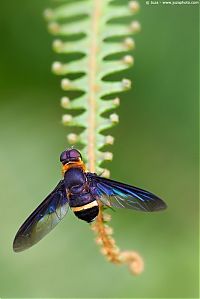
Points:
point(74, 154)
point(63, 156)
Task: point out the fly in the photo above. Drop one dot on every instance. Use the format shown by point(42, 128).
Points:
point(83, 192)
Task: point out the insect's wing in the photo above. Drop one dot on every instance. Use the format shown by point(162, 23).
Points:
point(115, 194)
point(45, 217)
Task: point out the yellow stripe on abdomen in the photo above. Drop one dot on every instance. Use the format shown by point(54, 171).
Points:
point(85, 207)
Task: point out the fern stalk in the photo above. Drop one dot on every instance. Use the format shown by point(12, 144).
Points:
point(92, 23)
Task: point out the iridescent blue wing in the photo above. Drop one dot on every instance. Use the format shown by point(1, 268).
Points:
point(45, 217)
point(116, 194)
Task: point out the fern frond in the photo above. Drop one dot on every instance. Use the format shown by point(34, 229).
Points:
point(96, 32)
point(95, 29)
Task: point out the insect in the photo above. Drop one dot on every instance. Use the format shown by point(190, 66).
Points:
point(82, 191)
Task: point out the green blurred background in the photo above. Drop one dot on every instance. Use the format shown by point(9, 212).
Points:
point(156, 148)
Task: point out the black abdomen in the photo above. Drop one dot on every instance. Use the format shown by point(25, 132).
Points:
point(88, 214)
